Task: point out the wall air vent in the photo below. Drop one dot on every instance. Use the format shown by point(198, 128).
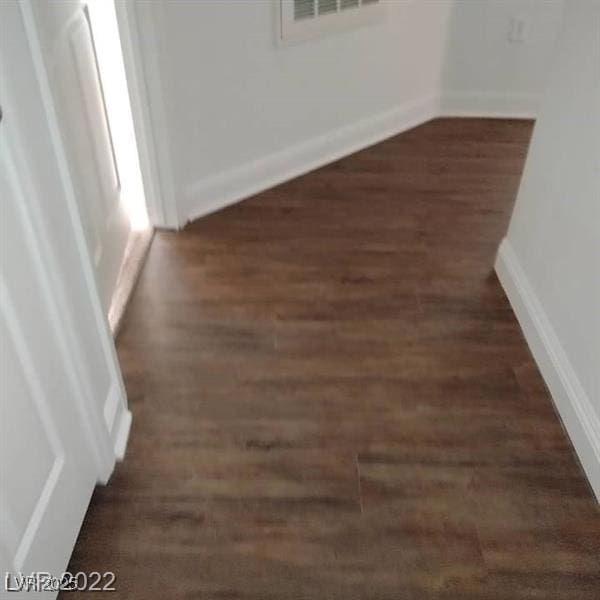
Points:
point(304, 19)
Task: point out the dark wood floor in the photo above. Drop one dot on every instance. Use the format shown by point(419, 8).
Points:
point(332, 398)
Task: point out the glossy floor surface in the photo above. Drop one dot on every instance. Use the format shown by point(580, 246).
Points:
point(332, 398)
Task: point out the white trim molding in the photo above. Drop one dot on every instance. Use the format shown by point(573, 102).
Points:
point(574, 406)
point(210, 194)
point(143, 81)
point(493, 105)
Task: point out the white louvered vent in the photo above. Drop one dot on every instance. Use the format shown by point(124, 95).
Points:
point(304, 9)
point(303, 19)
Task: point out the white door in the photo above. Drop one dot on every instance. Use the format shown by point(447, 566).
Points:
point(47, 468)
point(63, 413)
point(68, 53)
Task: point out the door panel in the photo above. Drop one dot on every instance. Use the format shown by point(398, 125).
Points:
point(34, 473)
point(63, 412)
point(49, 191)
point(47, 467)
point(68, 50)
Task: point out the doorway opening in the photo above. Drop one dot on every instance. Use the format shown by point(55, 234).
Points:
point(104, 27)
point(109, 54)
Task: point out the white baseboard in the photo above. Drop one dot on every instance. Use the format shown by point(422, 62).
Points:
point(213, 193)
point(119, 438)
point(122, 434)
point(575, 408)
point(495, 105)
point(137, 248)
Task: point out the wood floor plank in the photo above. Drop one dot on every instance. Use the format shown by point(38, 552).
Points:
point(332, 398)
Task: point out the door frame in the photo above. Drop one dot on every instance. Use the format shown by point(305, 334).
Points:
point(148, 111)
point(110, 426)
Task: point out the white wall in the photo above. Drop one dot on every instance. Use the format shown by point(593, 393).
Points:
point(550, 261)
point(232, 113)
point(487, 73)
point(233, 97)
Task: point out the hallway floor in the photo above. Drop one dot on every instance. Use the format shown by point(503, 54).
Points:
point(332, 399)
